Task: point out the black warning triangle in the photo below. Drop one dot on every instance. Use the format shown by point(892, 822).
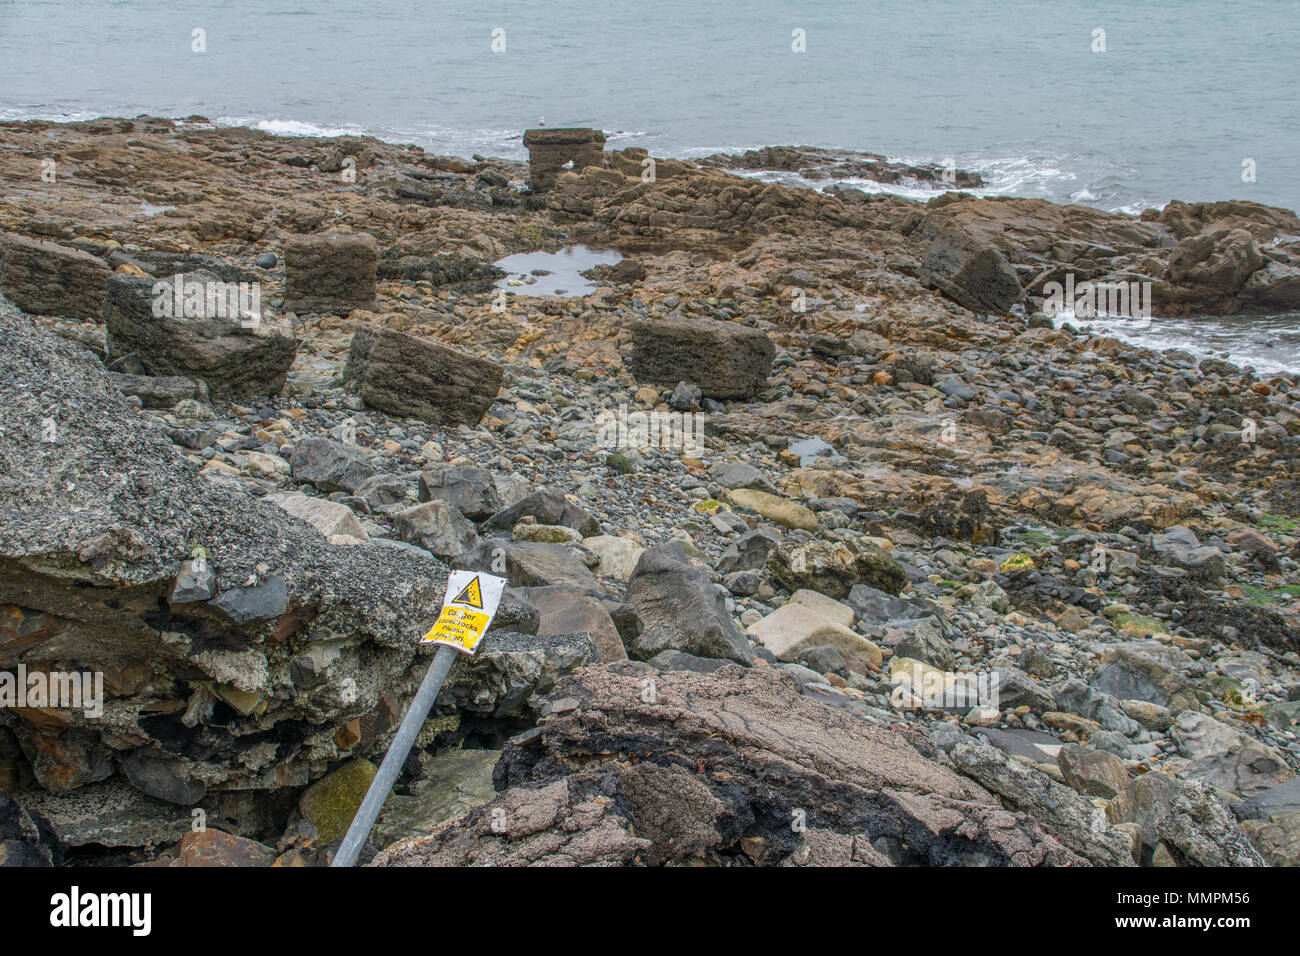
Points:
point(470, 594)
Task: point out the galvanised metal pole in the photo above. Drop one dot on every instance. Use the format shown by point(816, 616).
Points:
point(394, 760)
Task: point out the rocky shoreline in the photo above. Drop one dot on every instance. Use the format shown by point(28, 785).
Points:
point(910, 576)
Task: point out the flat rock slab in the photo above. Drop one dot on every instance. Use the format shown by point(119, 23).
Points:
point(1036, 746)
point(413, 377)
point(647, 767)
point(1284, 798)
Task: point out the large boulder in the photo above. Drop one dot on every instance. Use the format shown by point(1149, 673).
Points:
point(724, 359)
point(330, 274)
point(1092, 772)
point(547, 507)
point(681, 610)
point(529, 564)
point(971, 272)
point(833, 568)
point(1199, 830)
point(328, 517)
point(1067, 815)
point(44, 278)
point(564, 610)
point(1227, 758)
point(437, 527)
point(783, 511)
point(236, 357)
point(552, 151)
point(1146, 670)
point(639, 766)
point(330, 465)
point(748, 552)
point(617, 556)
point(471, 491)
point(413, 377)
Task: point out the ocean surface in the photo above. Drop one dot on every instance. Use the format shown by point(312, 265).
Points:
point(1184, 94)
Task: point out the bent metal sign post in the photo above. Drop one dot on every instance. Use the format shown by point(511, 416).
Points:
point(467, 612)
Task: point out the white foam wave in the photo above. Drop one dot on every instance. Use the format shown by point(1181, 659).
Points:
point(284, 127)
point(1271, 345)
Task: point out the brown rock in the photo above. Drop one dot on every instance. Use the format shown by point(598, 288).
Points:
point(235, 358)
point(550, 150)
point(1094, 773)
point(971, 272)
point(568, 610)
point(215, 848)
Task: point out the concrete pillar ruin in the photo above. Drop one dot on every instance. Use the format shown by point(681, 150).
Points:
point(549, 150)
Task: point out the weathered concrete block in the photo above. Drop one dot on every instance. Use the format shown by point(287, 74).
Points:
point(234, 357)
point(331, 274)
point(44, 278)
point(724, 359)
point(415, 377)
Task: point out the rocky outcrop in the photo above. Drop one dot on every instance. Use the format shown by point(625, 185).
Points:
point(822, 164)
point(1067, 815)
point(643, 767)
point(44, 278)
point(330, 465)
point(1199, 830)
point(1202, 258)
point(706, 207)
point(414, 377)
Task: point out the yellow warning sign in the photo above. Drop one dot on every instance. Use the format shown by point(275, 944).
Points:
point(470, 594)
point(460, 628)
point(465, 618)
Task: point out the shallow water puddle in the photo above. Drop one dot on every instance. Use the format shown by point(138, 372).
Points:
point(810, 449)
point(553, 273)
